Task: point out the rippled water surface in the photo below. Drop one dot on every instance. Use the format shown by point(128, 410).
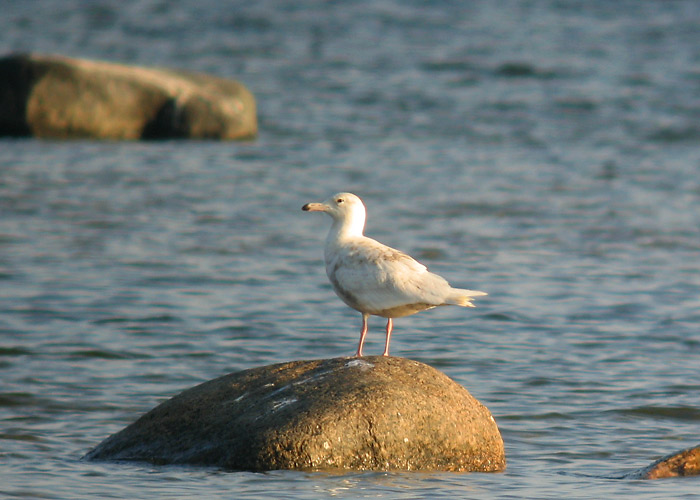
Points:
point(545, 152)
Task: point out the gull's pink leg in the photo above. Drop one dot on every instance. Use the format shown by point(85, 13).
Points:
point(363, 333)
point(389, 327)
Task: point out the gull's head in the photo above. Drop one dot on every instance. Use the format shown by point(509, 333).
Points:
point(345, 208)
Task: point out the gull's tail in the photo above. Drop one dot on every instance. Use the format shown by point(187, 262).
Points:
point(463, 298)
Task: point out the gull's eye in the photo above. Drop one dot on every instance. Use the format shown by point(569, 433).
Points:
point(339, 201)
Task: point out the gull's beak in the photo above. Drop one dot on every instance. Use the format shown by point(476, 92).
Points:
point(314, 207)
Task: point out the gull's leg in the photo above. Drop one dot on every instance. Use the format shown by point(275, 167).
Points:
point(363, 333)
point(389, 327)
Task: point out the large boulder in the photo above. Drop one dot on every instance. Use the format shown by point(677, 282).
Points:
point(59, 97)
point(681, 463)
point(377, 413)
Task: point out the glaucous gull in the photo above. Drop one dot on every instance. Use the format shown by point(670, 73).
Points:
point(376, 279)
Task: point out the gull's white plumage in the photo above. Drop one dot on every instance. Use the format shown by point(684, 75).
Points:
point(376, 279)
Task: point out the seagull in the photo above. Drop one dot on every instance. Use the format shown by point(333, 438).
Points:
point(375, 279)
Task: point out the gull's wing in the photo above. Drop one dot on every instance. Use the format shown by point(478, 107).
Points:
point(375, 278)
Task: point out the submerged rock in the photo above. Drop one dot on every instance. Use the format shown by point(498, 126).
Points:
point(682, 463)
point(378, 413)
point(59, 97)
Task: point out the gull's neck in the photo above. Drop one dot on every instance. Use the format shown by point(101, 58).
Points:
point(343, 228)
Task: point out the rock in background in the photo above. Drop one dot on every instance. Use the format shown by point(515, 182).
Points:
point(59, 97)
point(376, 413)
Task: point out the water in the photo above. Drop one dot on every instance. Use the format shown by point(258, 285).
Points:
point(545, 152)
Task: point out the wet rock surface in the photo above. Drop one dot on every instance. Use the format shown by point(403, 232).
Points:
point(371, 413)
point(62, 98)
point(681, 463)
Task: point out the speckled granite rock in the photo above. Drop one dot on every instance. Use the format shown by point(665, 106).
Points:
point(378, 413)
point(59, 97)
point(682, 463)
